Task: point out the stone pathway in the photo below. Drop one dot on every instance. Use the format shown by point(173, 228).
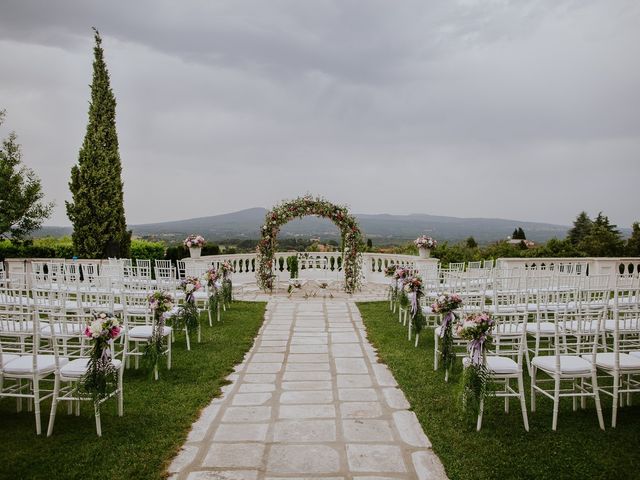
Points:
point(309, 401)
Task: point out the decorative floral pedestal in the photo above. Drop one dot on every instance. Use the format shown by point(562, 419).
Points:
point(424, 252)
point(195, 252)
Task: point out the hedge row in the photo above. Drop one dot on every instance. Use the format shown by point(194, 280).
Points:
point(63, 248)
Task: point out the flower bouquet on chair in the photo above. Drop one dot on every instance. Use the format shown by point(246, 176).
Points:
point(225, 270)
point(160, 304)
point(400, 276)
point(214, 281)
point(476, 328)
point(389, 272)
point(101, 377)
point(446, 305)
point(414, 287)
point(188, 316)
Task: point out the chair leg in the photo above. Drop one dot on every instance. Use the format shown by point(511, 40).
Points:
point(210, 319)
point(36, 400)
point(596, 393)
point(417, 339)
point(120, 392)
point(96, 408)
point(574, 399)
point(54, 405)
point(556, 403)
point(506, 398)
point(480, 414)
point(169, 358)
point(435, 351)
point(186, 334)
point(534, 371)
point(614, 414)
point(523, 402)
point(583, 399)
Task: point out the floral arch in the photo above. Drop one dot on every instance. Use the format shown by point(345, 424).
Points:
point(300, 207)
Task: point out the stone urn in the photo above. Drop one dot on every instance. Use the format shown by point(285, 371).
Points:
point(195, 252)
point(424, 252)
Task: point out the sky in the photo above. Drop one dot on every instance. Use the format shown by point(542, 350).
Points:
point(526, 110)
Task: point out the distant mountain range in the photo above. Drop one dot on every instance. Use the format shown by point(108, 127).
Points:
point(381, 228)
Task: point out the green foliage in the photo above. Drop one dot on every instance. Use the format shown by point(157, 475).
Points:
point(581, 227)
point(97, 209)
point(602, 240)
point(21, 207)
point(292, 266)
point(633, 242)
point(145, 249)
point(369, 244)
point(178, 252)
point(471, 243)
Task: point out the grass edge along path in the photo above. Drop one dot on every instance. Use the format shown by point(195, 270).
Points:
point(502, 449)
point(157, 415)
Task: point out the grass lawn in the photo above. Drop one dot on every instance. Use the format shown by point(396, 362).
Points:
point(502, 449)
point(157, 415)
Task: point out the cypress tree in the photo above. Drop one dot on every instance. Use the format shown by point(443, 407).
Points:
point(97, 208)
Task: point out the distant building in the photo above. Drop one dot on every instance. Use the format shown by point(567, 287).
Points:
point(515, 241)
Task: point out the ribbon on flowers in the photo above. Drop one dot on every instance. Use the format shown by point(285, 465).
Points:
point(447, 321)
point(475, 348)
point(414, 303)
point(106, 355)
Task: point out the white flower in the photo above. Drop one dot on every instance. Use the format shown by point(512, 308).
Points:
point(96, 328)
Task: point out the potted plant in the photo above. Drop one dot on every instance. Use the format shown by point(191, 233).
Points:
point(425, 244)
point(194, 243)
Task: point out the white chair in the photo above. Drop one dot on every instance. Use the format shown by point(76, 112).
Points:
point(504, 362)
point(573, 362)
point(139, 327)
point(23, 361)
point(66, 383)
point(143, 267)
point(621, 360)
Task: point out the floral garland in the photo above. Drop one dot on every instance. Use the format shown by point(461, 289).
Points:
point(101, 376)
point(225, 271)
point(446, 305)
point(476, 328)
point(160, 303)
point(415, 287)
point(300, 207)
point(194, 241)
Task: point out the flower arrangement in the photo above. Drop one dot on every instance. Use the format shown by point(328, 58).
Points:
point(225, 269)
point(190, 285)
point(212, 277)
point(301, 207)
point(100, 378)
point(194, 241)
point(476, 328)
point(425, 242)
point(188, 314)
point(414, 286)
point(160, 304)
point(446, 305)
point(390, 270)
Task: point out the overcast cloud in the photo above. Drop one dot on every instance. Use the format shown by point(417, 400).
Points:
point(523, 110)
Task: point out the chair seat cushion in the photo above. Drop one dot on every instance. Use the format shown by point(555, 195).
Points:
point(145, 331)
point(427, 310)
point(623, 326)
point(635, 353)
point(23, 365)
point(545, 328)
point(7, 357)
point(587, 327)
point(502, 365)
point(627, 362)
point(78, 367)
point(10, 326)
point(71, 329)
point(568, 364)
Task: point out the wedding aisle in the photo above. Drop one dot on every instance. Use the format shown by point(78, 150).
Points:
point(309, 401)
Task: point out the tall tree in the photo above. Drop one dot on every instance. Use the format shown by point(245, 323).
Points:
point(97, 209)
point(521, 234)
point(21, 207)
point(633, 242)
point(581, 228)
point(603, 239)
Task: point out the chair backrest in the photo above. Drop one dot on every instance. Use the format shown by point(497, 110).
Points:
point(509, 336)
point(45, 301)
point(65, 333)
point(583, 339)
point(94, 300)
point(166, 273)
point(15, 299)
point(143, 267)
point(626, 333)
point(474, 265)
point(626, 295)
point(136, 309)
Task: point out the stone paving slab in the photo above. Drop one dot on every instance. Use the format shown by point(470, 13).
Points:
point(310, 401)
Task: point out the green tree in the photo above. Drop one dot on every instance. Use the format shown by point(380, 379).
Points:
point(97, 209)
point(603, 239)
point(369, 244)
point(471, 242)
point(521, 234)
point(21, 207)
point(633, 242)
point(581, 228)
point(514, 235)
